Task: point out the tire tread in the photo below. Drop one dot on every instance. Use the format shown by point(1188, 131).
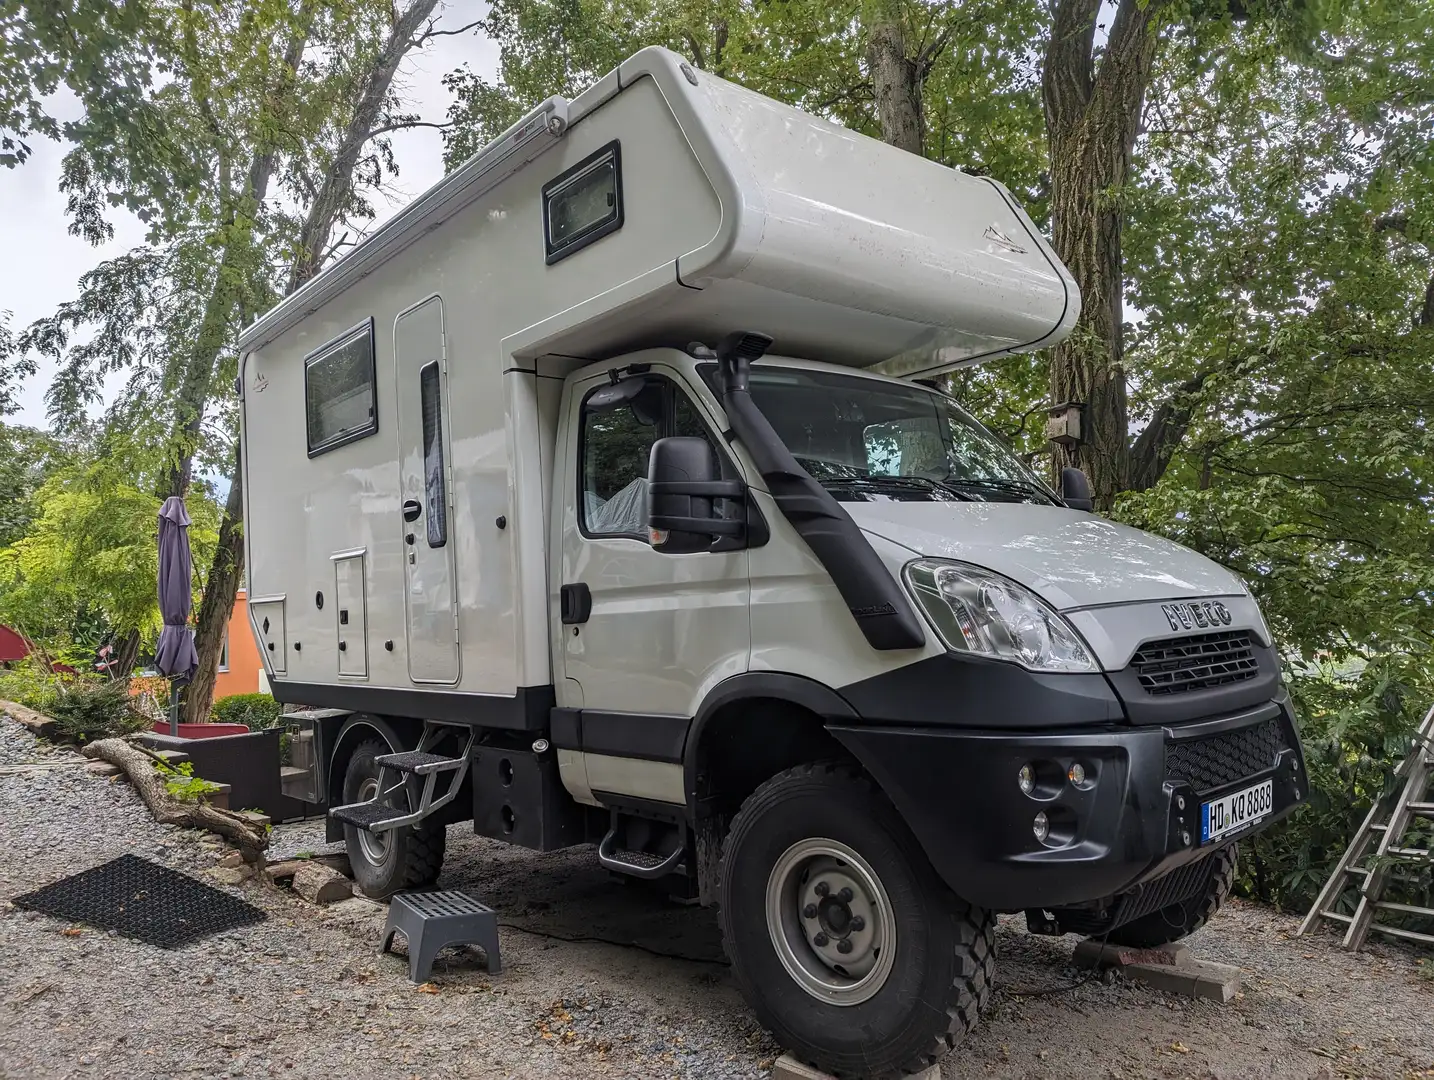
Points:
point(969, 991)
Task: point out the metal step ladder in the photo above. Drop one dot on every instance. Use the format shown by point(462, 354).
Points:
point(395, 774)
point(1385, 828)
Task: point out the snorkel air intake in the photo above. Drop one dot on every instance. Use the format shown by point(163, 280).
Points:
point(875, 600)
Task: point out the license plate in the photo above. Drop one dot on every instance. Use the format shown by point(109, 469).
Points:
point(1233, 812)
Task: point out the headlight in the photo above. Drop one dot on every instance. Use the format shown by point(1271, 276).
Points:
point(977, 611)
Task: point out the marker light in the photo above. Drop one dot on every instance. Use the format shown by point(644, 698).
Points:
point(1076, 774)
point(1041, 826)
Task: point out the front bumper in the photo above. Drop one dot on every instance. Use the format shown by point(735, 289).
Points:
point(1137, 816)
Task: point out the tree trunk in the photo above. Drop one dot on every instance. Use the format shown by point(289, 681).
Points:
point(217, 607)
point(1091, 122)
point(198, 379)
point(227, 570)
point(895, 76)
point(338, 181)
point(126, 655)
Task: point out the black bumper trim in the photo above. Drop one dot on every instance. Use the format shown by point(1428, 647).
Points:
point(957, 790)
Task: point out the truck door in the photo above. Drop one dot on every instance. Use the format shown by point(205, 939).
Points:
point(425, 493)
point(644, 635)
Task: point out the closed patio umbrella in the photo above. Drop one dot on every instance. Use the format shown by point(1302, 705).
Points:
point(175, 655)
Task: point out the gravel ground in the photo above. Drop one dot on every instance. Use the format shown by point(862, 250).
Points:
point(601, 979)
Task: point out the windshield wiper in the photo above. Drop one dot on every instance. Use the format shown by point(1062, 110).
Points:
point(997, 484)
point(902, 483)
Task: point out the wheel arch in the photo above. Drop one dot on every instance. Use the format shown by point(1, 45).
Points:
point(746, 701)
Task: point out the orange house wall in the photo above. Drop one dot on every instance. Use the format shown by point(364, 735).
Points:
point(244, 667)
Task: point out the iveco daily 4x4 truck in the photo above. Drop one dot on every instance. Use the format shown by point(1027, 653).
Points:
point(596, 498)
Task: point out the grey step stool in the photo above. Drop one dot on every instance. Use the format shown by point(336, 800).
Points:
point(431, 920)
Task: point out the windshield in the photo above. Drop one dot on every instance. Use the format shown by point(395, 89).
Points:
point(866, 439)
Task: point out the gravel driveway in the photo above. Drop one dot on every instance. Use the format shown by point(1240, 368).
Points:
point(306, 994)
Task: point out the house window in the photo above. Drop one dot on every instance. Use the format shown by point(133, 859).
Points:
point(224, 653)
point(339, 401)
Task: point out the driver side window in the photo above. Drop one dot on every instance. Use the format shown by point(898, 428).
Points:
point(615, 447)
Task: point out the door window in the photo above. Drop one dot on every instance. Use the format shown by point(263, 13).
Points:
point(435, 483)
point(616, 445)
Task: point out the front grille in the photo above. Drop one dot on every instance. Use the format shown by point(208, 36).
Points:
point(1198, 662)
point(1217, 760)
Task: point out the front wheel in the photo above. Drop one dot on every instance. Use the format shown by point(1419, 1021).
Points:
point(1183, 918)
point(842, 938)
point(384, 863)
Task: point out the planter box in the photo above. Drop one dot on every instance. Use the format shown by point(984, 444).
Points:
point(248, 761)
point(201, 731)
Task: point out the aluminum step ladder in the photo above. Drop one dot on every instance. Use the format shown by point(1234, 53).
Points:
point(1382, 836)
point(396, 772)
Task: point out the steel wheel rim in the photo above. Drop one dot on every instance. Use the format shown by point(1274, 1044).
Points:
point(374, 846)
point(809, 916)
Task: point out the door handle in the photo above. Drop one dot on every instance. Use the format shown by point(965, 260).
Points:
point(411, 509)
point(575, 603)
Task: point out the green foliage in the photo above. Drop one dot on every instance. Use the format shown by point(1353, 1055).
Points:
point(258, 711)
point(29, 683)
point(182, 784)
point(89, 709)
point(92, 547)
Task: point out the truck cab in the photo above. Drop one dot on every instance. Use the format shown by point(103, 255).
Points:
point(608, 496)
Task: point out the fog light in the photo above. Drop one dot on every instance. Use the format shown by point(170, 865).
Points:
point(1041, 826)
point(1076, 774)
point(1027, 779)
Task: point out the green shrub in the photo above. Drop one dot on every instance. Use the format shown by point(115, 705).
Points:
point(182, 784)
point(258, 711)
point(87, 710)
point(28, 683)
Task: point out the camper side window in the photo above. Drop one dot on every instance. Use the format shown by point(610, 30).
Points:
point(616, 445)
point(339, 404)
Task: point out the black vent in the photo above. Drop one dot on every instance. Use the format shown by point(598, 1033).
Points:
point(1217, 760)
point(1198, 662)
point(1180, 884)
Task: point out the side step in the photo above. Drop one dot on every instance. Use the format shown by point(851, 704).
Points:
point(379, 815)
point(639, 864)
point(420, 762)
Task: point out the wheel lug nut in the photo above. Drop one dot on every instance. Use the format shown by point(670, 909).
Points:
point(809, 912)
point(845, 896)
point(821, 888)
point(844, 946)
point(858, 923)
point(820, 941)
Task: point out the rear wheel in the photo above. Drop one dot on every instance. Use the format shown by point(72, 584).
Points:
point(1178, 920)
point(384, 863)
point(843, 939)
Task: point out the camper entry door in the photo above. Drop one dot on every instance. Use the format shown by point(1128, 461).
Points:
point(430, 593)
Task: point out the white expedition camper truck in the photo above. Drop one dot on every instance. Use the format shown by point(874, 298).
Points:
point(576, 506)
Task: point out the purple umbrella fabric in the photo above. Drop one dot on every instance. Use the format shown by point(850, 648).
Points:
point(175, 655)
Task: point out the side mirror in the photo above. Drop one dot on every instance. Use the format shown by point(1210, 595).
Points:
point(1075, 490)
point(682, 484)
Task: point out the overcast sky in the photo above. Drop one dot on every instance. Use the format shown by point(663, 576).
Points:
point(43, 263)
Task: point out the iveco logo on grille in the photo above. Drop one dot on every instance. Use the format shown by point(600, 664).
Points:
point(1202, 615)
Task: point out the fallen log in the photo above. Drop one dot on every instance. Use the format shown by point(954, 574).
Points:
point(138, 765)
point(38, 723)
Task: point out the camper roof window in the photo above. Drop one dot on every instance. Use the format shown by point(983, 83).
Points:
point(339, 390)
point(583, 204)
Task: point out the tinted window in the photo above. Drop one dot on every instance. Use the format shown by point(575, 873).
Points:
point(339, 391)
point(616, 446)
point(435, 486)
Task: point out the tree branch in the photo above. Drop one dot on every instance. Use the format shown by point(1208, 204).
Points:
point(432, 33)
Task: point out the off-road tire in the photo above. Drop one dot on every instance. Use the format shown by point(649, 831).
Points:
point(1175, 921)
point(415, 852)
point(945, 958)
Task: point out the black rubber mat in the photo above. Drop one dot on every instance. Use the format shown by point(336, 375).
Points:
point(143, 900)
